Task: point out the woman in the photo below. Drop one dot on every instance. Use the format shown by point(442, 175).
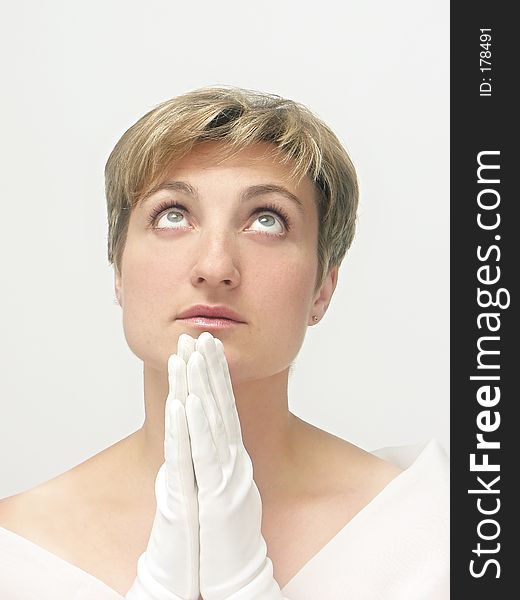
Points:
point(233, 204)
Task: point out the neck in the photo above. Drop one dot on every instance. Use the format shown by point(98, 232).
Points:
point(268, 428)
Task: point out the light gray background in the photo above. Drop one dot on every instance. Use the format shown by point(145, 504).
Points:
point(76, 75)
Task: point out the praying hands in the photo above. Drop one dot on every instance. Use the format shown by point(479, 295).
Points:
point(206, 536)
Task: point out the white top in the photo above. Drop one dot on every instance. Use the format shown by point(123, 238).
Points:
point(396, 548)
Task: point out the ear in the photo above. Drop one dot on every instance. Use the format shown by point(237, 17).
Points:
point(324, 295)
point(118, 287)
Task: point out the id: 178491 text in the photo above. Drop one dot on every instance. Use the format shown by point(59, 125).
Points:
point(485, 62)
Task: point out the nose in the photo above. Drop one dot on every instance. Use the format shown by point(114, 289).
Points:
point(215, 263)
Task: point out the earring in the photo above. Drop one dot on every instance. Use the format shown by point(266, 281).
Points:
point(315, 318)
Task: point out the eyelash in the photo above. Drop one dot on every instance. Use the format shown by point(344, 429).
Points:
point(268, 207)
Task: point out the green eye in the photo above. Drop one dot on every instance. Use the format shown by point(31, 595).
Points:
point(269, 222)
point(174, 212)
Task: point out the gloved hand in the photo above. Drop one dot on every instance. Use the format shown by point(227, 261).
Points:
point(233, 553)
point(169, 567)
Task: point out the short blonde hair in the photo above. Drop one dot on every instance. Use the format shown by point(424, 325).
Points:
point(147, 150)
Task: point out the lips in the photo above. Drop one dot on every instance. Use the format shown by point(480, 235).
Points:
point(212, 312)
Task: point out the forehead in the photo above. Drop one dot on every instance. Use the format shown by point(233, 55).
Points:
point(259, 159)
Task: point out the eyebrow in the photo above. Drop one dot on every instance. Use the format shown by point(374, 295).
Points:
point(247, 194)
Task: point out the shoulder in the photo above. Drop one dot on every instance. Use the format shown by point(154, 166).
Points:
point(391, 522)
point(52, 513)
point(338, 475)
point(406, 488)
point(422, 486)
point(409, 518)
point(34, 561)
point(81, 513)
point(344, 469)
point(34, 514)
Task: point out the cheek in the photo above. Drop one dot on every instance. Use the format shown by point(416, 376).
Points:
point(148, 284)
point(288, 300)
point(282, 296)
point(150, 303)
point(286, 284)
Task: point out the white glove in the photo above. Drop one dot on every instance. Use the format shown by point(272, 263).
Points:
point(233, 553)
point(169, 567)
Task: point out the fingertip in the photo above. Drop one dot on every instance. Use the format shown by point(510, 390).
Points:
point(223, 358)
point(196, 361)
point(185, 338)
point(177, 428)
point(172, 411)
point(176, 407)
point(203, 340)
point(185, 346)
point(193, 403)
point(174, 366)
point(172, 361)
point(220, 349)
point(180, 420)
point(205, 335)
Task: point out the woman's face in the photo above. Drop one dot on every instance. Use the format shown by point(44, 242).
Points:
point(226, 246)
